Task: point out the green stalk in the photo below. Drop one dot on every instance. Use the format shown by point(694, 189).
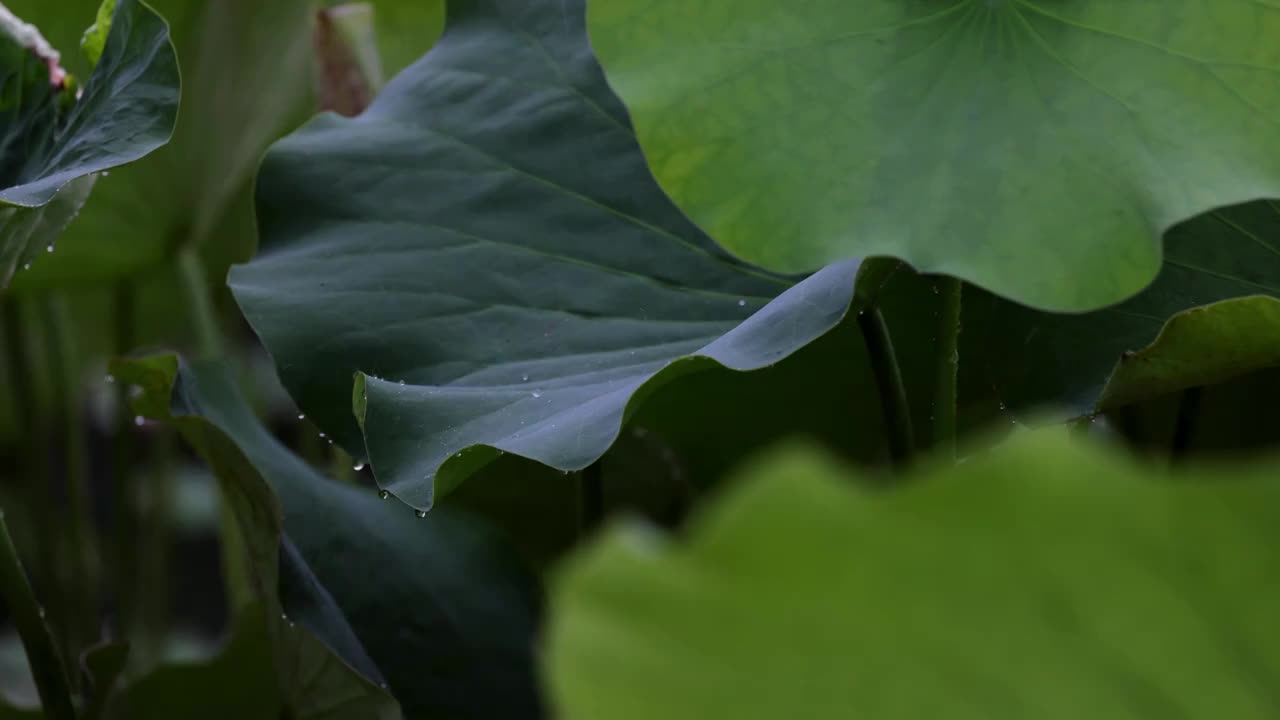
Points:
point(893, 393)
point(1184, 428)
point(948, 365)
point(29, 363)
point(124, 455)
point(46, 667)
point(200, 304)
point(200, 311)
point(591, 497)
point(84, 611)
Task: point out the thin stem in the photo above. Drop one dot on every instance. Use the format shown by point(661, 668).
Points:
point(893, 393)
point(124, 454)
point(46, 667)
point(83, 613)
point(1184, 428)
point(948, 365)
point(200, 309)
point(591, 497)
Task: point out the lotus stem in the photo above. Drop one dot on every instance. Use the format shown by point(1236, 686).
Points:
point(948, 364)
point(46, 667)
point(591, 496)
point(200, 309)
point(893, 393)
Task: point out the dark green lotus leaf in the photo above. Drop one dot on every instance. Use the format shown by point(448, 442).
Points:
point(1202, 346)
point(53, 139)
point(1043, 579)
point(487, 245)
point(1027, 360)
point(246, 81)
point(1037, 149)
point(436, 605)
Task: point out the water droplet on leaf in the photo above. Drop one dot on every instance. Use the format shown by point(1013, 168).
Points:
point(383, 494)
point(358, 466)
point(422, 514)
point(742, 303)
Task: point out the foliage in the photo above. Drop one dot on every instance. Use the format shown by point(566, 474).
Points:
point(1044, 579)
point(588, 259)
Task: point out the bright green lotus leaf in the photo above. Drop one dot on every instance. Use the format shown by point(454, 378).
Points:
point(406, 29)
point(95, 38)
point(1044, 579)
point(53, 139)
point(447, 620)
point(1028, 361)
point(1037, 149)
point(1202, 346)
point(487, 246)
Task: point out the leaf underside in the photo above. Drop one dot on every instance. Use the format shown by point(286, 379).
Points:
point(487, 247)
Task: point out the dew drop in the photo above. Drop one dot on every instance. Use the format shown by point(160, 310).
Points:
point(110, 378)
point(321, 434)
point(401, 382)
point(48, 248)
point(106, 173)
point(742, 303)
point(1002, 406)
point(139, 420)
point(301, 416)
point(421, 514)
point(358, 466)
point(26, 266)
point(536, 393)
point(383, 494)
point(524, 378)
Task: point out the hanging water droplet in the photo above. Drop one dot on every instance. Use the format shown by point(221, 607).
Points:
point(110, 378)
point(105, 173)
point(1002, 407)
point(49, 248)
point(358, 466)
point(401, 382)
point(284, 617)
point(421, 514)
point(383, 494)
point(301, 416)
point(139, 420)
point(26, 266)
point(459, 454)
point(742, 303)
point(935, 289)
point(383, 686)
point(524, 378)
point(41, 613)
point(321, 434)
point(536, 393)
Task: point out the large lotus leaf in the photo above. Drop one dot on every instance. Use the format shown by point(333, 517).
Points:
point(1037, 149)
point(447, 618)
point(54, 139)
point(1026, 360)
point(487, 245)
point(1044, 579)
